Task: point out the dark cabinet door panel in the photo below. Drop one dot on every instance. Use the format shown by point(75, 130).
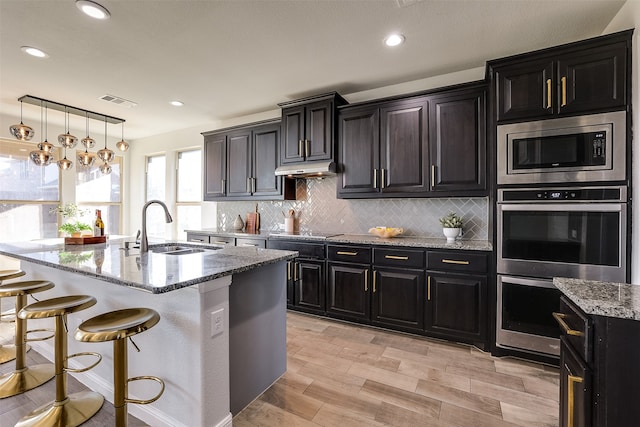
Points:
point(239, 161)
point(359, 151)
point(310, 285)
point(575, 387)
point(348, 295)
point(215, 168)
point(292, 133)
point(265, 160)
point(319, 131)
point(403, 153)
point(398, 298)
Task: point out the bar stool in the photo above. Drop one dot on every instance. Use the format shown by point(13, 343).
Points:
point(65, 410)
point(117, 326)
point(24, 378)
point(8, 353)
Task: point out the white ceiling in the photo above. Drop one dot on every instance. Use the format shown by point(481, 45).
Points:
point(237, 57)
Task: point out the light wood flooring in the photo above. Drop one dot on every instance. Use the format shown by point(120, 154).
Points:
point(339, 374)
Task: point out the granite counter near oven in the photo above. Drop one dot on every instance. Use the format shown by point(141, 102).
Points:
point(619, 300)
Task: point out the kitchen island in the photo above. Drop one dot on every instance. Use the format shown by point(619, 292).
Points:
point(221, 340)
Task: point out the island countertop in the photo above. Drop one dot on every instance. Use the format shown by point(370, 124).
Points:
point(152, 272)
point(609, 299)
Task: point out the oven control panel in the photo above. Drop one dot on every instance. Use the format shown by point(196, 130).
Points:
point(578, 194)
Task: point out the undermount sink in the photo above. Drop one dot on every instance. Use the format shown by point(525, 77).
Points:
point(177, 250)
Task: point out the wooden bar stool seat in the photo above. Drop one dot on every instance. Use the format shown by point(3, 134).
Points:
point(117, 326)
point(65, 410)
point(23, 378)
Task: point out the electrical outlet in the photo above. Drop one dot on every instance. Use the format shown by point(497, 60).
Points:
point(217, 322)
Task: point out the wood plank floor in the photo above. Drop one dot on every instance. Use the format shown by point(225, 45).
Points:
point(339, 374)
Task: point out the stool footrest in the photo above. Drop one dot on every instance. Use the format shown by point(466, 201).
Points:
point(85, 353)
point(48, 337)
point(153, 399)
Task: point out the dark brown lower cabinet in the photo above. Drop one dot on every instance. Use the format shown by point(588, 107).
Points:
point(309, 292)
point(575, 386)
point(398, 298)
point(456, 306)
point(348, 291)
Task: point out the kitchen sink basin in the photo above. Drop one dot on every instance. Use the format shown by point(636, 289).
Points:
point(178, 250)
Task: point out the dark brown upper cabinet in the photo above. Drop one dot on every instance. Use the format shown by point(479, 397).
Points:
point(584, 77)
point(240, 164)
point(308, 128)
point(421, 146)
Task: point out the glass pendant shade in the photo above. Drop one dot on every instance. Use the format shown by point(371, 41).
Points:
point(122, 145)
point(65, 164)
point(41, 157)
point(88, 142)
point(86, 159)
point(67, 140)
point(45, 146)
point(106, 155)
point(105, 168)
point(21, 131)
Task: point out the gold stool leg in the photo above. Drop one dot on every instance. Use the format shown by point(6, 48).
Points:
point(23, 378)
point(68, 411)
point(120, 373)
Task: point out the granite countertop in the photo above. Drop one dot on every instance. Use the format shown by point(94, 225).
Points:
point(620, 300)
point(152, 272)
point(363, 239)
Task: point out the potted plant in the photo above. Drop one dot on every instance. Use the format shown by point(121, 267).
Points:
point(74, 227)
point(451, 226)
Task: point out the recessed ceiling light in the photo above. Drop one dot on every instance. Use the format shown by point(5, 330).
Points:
point(34, 52)
point(394, 40)
point(93, 9)
point(177, 103)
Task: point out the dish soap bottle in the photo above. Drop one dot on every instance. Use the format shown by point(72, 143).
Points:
point(98, 228)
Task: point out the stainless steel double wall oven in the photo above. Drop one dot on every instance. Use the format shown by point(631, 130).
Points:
point(561, 211)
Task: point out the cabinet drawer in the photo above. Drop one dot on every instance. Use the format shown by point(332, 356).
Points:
point(457, 261)
point(576, 328)
point(222, 240)
point(398, 258)
point(305, 250)
point(354, 254)
point(258, 243)
point(197, 238)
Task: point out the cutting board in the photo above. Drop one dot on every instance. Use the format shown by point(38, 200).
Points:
point(84, 240)
point(251, 223)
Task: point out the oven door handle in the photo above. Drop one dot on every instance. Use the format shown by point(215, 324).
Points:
point(562, 207)
point(565, 327)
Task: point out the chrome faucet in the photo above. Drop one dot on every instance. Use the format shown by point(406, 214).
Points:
point(144, 244)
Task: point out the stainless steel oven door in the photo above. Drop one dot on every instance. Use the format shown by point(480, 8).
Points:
point(581, 240)
point(523, 317)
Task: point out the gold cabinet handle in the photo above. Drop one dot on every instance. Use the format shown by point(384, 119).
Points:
point(248, 185)
point(374, 280)
point(299, 148)
point(253, 185)
point(193, 239)
point(402, 258)
point(548, 93)
point(429, 288)
point(433, 175)
point(366, 280)
point(375, 178)
point(222, 185)
point(564, 91)
point(455, 261)
point(383, 182)
point(295, 271)
point(307, 145)
point(220, 242)
point(571, 381)
point(288, 270)
point(347, 253)
point(249, 244)
point(567, 329)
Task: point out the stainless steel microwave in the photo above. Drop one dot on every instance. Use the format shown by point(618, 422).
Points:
point(589, 148)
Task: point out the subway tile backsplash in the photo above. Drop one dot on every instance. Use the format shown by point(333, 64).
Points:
point(319, 210)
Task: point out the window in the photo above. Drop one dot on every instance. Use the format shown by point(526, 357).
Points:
point(188, 192)
point(27, 194)
point(95, 190)
point(156, 190)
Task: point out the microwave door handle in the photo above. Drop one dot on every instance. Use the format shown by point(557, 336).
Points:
point(562, 207)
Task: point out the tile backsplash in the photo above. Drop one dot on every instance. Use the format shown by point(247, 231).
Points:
point(319, 210)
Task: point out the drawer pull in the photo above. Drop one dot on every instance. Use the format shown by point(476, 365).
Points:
point(295, 271)
point(455, 261)
point(571, 381)
point(193, 239)
point(567, 330)
point(402, 258)
point(288, 270)
point(374, 281)
point(429, 288)
point(366, 275)
point(563, 80)
point(220, 242)
point(347, 253)
point(249, 244)
point(548, 93)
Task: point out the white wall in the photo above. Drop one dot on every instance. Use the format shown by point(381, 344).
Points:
point(629, 17)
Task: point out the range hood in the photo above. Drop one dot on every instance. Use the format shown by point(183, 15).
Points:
point(307, 170)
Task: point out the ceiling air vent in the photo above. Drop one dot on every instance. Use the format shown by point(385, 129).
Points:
point(117, 100)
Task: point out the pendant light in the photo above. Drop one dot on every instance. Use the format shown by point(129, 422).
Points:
point(66, 139)
point(21, 131)
point(65, 164)
point(86, 159)
point(105, 154)
point(122, 144)
point(42, 156)
point(88, 142)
